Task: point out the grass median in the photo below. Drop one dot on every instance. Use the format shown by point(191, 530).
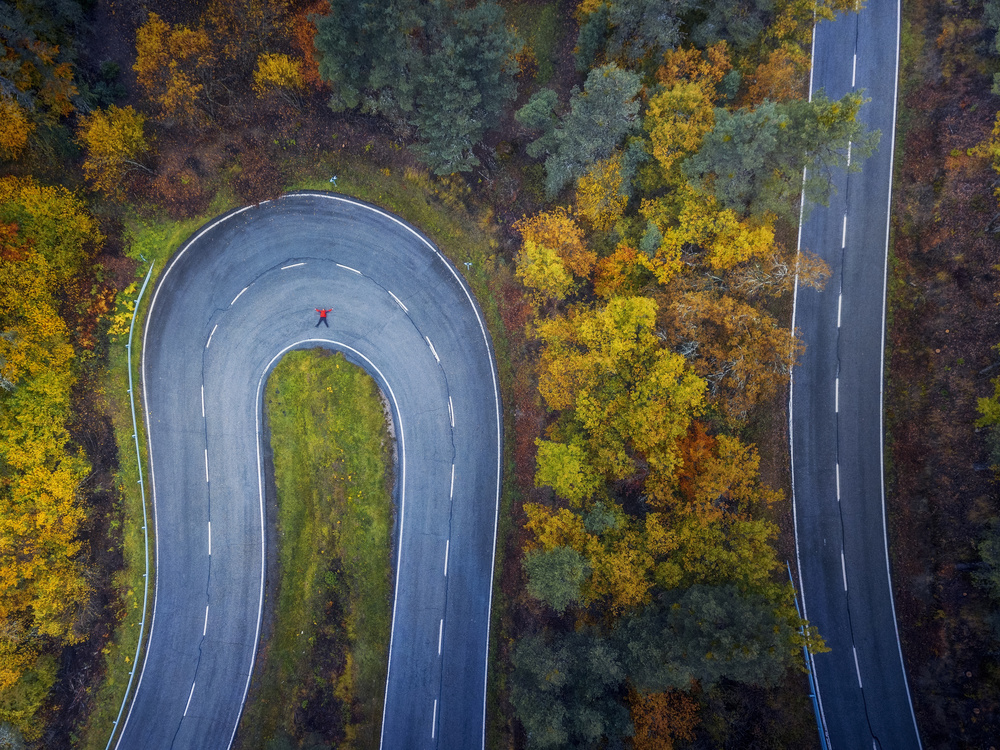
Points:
point(320, 676)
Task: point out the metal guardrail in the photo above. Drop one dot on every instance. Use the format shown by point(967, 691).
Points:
point(142, 493)
point(808, 660)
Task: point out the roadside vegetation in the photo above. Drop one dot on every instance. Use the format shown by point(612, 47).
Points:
point(619, 182)
point(320, 677)
point(942, 364)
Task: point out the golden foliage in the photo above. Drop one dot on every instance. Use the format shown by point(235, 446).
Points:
point(276, 72)
point(543, 272)
point(780, 78)
point(599, 197)
point(558, 231)
point(15, 127)
point(113, 140)
point(662, 718)
point(172, 64)
point(43, 589)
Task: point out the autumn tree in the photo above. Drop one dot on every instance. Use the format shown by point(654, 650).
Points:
point(621, 393)
point(600, 196)
point(741, 352)
point(15, 128)
point(175, 65)
point(280, 74)
point(303, 31)
point(43, 588)
point(114, 140)
point(661, 718)
point(779, 78)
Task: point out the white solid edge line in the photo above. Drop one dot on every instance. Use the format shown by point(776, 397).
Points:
point(190, 696)
point(433, 350)
point(239, 295)
point(791, 391)
point(881, 388)
point(398, 301)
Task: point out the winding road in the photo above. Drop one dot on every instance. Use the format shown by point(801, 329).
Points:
point(234, 299)
point(836, 411)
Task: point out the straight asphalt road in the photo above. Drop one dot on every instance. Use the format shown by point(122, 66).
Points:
point(238, 295)
point(836, 410)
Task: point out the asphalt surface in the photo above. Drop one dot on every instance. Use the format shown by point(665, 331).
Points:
point(836, 411)
point(241, 293)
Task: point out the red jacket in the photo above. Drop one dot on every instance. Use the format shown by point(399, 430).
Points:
point(322, 313)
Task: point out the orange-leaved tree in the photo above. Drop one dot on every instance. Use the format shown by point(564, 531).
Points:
point(174, 66)
point(740, 350)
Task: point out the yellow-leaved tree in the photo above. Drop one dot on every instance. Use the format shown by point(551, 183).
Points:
point(114, 140)
point(279, 74)
point(173, 64)
point(45, 235)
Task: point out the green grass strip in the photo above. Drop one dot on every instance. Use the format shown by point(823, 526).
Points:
point(322, 672)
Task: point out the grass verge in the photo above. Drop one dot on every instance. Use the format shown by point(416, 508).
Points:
point(320, 678)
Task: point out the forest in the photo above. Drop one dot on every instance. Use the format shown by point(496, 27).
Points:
point(636, 169)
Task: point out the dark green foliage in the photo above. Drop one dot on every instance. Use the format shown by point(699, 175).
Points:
point(567, 690)
point(739, 22)
point(988, 576)
point(462, 83)
point(362, 47)
point(443, 68)
point(599, 519)
point(706, 633)
point(539, 114)
point(555, 576)
point(630, 29)
point(598, 119)
point(753, 158)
